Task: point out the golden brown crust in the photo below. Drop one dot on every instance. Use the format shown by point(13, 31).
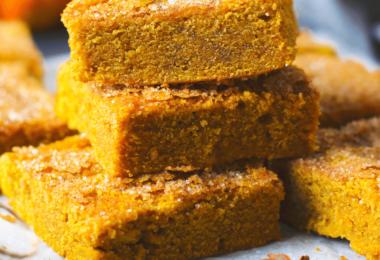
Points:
point(345, 153)
point(83, 213)
point(16, 44)
point(27, 114)
point(140, 43)
point(348, 91)
point(140, 130)
point(335, 191)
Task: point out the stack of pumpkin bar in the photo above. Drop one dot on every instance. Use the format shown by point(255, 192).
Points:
point(180, 102)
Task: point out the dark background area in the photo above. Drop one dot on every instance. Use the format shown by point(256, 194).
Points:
point(53, 41)
point(371, 11)
point(353, 24)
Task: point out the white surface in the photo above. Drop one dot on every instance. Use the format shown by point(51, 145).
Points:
point(16, 238)
point(295, 244)
point(52, 64)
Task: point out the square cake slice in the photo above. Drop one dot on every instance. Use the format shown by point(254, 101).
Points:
point(335, 192)
point(152, 42)
point(16, 44)
point(192, 126)
point(348, 90)
point(27, 115)
point(84, 213)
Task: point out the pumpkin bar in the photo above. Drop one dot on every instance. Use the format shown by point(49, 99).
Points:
point(16, 44)
point(192, 126)
point(348, 90)
point(152, 42)
point(83, 213)
point(307, 44)
point(335, 192)
point(27, 114)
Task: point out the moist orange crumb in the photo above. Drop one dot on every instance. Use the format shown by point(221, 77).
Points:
point(16, 44)
point(348, 90)
point(192, 126)
point(27, 114)
point(152, 42)
point(8, 218)
point(82, 212)
point(335, 191)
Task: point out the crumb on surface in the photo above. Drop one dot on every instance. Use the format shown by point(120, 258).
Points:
point(8, 218)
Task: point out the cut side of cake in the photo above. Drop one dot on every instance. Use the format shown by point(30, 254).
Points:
point(142, 43)
point(335, 192)
point(84, 213)
point(192, 126)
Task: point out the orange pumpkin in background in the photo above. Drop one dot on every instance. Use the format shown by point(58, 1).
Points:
point(39, 14)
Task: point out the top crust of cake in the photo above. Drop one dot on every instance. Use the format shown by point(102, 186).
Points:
point(104, 9)
point(22, 97)
point(353, 152)
point(27, 114)
point(361, 133)
point(285, 82)
point(70, 172)
point(349, 92)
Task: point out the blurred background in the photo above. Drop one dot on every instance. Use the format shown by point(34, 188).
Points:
point(352, 26)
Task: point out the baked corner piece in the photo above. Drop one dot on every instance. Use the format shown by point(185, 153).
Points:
point(192, 126)
point(335, 192)
point(16, 44)
point(83, 213)
point(27, 114)
point(348, 90)
point(152, 42)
